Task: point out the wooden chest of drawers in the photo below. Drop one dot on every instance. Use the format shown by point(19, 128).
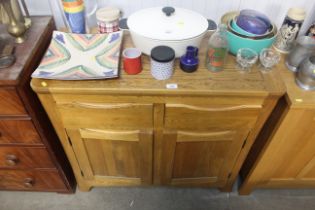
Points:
point(135, 131)
point(31, 156)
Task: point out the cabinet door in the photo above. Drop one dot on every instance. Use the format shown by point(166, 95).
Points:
point(201, 158)
point(201, 142)
point(113, 157)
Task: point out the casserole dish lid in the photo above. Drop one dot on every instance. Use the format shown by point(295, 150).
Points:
point(167, 23)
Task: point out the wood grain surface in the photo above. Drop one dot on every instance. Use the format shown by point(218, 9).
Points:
point(24, 157)
point(11, 104)
point(12, 75)
point(283, 155)
point(202, 82)
point(196, 135)
point(28, 143)
point(18, 131)
point(35, 180)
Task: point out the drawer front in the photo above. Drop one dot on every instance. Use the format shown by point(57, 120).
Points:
point(47, 180)
point(210, 117)
point(18, 131)
point(106, 115)
point(24, 157)
point(10, 103)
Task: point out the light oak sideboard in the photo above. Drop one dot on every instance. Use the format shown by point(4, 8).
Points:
point(284, 153)
point(134, 131)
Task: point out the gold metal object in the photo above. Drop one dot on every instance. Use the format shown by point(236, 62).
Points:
point(4, 19)
point(18, 13)
point(15, 28)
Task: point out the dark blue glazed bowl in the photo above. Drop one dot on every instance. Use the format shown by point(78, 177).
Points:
point(257, 14)
point(252, 24)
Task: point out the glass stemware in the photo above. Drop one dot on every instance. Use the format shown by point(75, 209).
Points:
point(268, 58)
point(246, 58)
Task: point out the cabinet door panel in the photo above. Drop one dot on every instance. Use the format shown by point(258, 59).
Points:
point(293, 143)
point(107, 154)
point(202, 159)
point(113, 158)
point(198, 159)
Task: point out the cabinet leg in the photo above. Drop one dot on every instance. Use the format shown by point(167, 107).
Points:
point(84, 187)
point(245, 189)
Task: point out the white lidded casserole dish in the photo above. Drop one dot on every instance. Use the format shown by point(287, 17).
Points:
point(173, 27)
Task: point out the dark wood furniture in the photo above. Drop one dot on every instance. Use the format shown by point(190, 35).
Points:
point(135, 131)
point(31, 157)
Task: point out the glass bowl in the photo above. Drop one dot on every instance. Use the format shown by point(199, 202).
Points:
point(246, 58)
point(268, 58)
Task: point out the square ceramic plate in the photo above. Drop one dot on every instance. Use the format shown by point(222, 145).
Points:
point(81, 57)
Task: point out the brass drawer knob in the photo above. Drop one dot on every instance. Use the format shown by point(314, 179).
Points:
point(11, 160)
point(29, 182)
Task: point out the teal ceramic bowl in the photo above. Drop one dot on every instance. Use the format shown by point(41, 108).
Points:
point(237, 42)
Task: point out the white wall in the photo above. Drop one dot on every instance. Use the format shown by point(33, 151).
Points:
point(275, 9)
point(38, 7)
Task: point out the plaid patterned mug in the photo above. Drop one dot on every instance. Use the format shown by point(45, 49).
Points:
point(108, 19)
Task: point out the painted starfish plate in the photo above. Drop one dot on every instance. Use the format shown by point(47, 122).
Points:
point(81, 57)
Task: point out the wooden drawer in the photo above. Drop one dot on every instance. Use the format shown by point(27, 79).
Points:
point(46, 180)
point(210, 117)
point(10, 103)
point(106, 115)
point(18, 131)
point(25, 157)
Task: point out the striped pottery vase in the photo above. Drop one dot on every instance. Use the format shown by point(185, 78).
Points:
point(74, 12)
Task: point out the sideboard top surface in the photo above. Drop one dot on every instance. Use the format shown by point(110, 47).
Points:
point(297, 97)
point(230, 81)
point(12, 74)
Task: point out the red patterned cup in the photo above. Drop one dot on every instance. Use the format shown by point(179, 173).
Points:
point(132, 60)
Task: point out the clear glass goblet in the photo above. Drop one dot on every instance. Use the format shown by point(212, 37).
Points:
point(246, 58)
point(268, 58)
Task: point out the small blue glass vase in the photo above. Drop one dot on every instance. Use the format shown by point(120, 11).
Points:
point(189, 62)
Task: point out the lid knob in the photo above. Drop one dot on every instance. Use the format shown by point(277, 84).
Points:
point(168, 10)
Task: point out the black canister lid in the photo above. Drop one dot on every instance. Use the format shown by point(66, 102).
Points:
point(162, 54)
